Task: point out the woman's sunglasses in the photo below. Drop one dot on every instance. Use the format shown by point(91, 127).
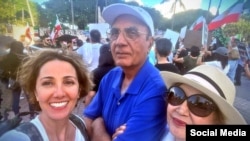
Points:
point(199, 104)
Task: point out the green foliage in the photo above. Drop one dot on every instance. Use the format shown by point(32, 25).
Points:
point(218, 33)
point(84, 12)
point(241, 27)
point(16, 12)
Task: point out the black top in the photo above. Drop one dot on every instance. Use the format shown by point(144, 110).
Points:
point(106, 63)
point(167, 67)
point(98, 74)
point(10, 64)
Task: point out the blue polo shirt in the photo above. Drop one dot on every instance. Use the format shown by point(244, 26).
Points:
point(142, 108)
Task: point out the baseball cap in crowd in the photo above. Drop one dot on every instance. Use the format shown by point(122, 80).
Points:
point(215, 84)
point(221, 51)
point(111, 12)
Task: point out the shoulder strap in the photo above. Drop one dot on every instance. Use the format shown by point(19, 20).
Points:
point(30, 130)
point(80, 125)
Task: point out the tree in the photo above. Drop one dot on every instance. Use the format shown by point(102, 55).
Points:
point(241, 27)
point(173, 9)
point(15, 12)
point(84, 12)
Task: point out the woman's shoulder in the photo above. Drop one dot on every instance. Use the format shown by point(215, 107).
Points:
point(81, 127)
point(14, 135)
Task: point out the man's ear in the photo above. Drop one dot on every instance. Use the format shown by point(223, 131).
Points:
point(151, 42)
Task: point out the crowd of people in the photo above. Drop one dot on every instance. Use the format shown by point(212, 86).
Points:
point(126, 96)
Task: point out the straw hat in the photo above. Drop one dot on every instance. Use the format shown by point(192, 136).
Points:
point(213, 83)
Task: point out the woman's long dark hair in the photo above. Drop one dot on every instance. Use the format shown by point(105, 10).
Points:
point(222, 59)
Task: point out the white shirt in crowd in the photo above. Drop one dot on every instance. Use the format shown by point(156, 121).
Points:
point(90, 54)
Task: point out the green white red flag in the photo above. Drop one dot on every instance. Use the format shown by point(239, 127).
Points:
point(56, 30)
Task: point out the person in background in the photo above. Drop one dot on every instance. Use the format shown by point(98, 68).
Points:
point(72, 44)
point(235, 45)
point(220, 59)
point(79, 43)
point(163, 48)
point(4, 106)
point(213, 43)
point(246, 68)
point(37, 42)
point(9, 65)
point(233, 60)
point(133, 92)
point(189, 61)
point(55, 92)
point(90, 51)
point(106, 63)
point(46, 41)
point(183, 52)
point(202, 96)
point(26, 42)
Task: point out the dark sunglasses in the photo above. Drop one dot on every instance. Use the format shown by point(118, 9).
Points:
point(199, 104)
point(130, 33)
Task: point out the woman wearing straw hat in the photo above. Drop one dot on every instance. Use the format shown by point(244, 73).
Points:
point(204, 95)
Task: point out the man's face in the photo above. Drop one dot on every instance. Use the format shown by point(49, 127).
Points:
point(130, 42)
point(47, 42)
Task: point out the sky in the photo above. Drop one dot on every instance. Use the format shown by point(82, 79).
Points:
point(164, 8)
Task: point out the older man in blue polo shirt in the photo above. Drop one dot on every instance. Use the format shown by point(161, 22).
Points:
point(131, 94)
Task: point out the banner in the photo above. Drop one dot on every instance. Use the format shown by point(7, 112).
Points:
point(172, 36)
point(183, 32)
point(194, 38)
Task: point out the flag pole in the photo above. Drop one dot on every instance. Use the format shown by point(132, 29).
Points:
point(217, 12)
point(72, 13)
point(209, 5)
point(31, 17)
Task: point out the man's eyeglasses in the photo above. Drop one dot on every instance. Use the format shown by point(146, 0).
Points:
point(130, 33)
point(199, 104)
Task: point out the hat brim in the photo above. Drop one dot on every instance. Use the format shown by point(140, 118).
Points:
point(231, 114)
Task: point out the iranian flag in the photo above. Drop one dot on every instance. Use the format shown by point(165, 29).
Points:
point(55, 32)
point(230, 15)
point(197, 24)
point(27, 32)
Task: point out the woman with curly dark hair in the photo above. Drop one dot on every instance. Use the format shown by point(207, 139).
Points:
point(54, 82)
